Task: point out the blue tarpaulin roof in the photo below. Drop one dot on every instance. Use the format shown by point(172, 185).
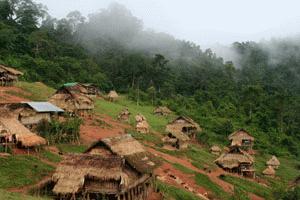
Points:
point(44, 107)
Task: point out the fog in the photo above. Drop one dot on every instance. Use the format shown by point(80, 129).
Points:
point(157, 26)
point(201, 21)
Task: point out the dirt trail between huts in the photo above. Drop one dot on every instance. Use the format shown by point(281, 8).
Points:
point(214, 175)
point(5, 97)
point(100, 126)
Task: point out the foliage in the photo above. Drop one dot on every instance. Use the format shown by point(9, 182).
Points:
point(60, 132)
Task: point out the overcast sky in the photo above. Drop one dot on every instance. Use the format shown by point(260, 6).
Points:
point(205, 22)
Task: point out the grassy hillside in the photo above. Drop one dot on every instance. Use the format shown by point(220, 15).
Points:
point(157, 123)
point(20, 170)
point(34, 91)
point(4, 195)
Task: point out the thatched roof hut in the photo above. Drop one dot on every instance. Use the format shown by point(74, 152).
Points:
point(105, 176)
point(8, 75)
point(71, 100)
point(92, 89)
point(183, 125)
point(238, 161)
point(215, 150)
point(127, 147)
point(124, 115)
point(269, 171)
point(112, 95)
point(162, 110)
point(273, 162)
point(12, 129)
point(177, 140)
point(241, 138)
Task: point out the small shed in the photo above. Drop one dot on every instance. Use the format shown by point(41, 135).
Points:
point(124, 115)
point(184, 125)
point(177, 140)
point(90, 176)
point(142, 125)
point(241, 138)
point(273, 162)
point(237, 161)
point(216, 150)
point(112, 96)
point(31, 113)
point(162, 110)
point(269, 171)
point(8, 75)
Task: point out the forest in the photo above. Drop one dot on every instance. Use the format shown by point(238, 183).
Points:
point(259, 91)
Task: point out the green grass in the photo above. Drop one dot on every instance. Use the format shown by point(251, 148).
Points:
point(171, 192)
point(17, 171)
point(183, 168)
point(204, 181)
point(152, 138)
point(71, 148)
point(157, 123)
point(288, 170)
point(5, 195)
point(249, 186)
point(51, 156)
point(34, 91)
point(200, 157)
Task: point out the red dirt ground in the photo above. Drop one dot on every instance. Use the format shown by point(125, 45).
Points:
point(168, 174)
point(91, 131)
point(5, 97)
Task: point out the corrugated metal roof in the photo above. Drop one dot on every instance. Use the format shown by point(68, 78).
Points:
point(44, 107)
point(70, 84)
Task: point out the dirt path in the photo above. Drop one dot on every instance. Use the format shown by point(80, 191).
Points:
point(100, 127)
point(168, 174)
point(214, 175)
point(25, 189)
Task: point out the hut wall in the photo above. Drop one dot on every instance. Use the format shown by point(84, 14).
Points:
point(35, 119)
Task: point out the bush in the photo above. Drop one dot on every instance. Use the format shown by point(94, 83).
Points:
point(60, 132)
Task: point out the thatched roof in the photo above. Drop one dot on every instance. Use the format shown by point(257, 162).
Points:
point(23, 135)
point(129, 148)
point(113, 94)
point(10, 70)
point(269, 171)
point(233, 159)
point(239, 135)
point(215, 148)
point(162, 110)
point(273, 161)
point(124, 145)
point(180, 122)
point(71, 174)
point(140, 118)
point(71, 102)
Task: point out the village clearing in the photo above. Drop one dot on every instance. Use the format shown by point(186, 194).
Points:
point(184, 175)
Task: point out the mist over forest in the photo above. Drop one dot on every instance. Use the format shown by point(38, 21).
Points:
point(256, 86)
